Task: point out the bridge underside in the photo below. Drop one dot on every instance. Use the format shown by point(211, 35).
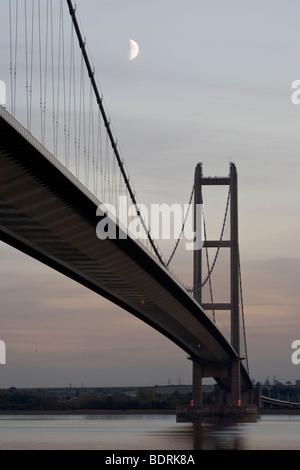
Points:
point(46, 213)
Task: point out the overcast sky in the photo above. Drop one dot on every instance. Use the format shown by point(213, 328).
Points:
point(212, 82)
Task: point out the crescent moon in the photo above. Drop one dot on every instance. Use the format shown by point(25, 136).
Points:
point(134, 49)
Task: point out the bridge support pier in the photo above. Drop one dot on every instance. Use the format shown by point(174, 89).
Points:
point(228, 403)
point(258, 396)
point(235, 383)
point(197, 384)
point(230, 370)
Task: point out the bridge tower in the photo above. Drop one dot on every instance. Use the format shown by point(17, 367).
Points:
point(232, 371)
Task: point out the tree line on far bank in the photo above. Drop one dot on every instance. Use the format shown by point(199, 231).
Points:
point(23, 400)
point(15, 399)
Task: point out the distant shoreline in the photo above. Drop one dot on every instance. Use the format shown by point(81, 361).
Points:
point(122, 412)
point(87, 412)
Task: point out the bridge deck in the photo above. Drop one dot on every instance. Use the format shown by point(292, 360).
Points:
point(46, 213)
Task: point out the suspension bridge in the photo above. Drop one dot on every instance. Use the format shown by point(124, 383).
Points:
point(60, 160)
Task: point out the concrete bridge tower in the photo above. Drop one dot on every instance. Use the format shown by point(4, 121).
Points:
point(232, 397)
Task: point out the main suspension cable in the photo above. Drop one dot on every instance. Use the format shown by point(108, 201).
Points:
point(208, 269)
point(108, 127)
point(182, 229)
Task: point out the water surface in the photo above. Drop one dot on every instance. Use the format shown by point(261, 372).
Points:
point(145, 432)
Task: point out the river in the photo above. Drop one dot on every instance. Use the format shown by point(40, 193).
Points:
point(145, 432)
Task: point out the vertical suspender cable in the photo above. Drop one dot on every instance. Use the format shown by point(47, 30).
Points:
point(13, 56)
point(16, 56)
point(64, 81)
point(99, 152)
point(74, 106)
point(243, 313)
point(53, 75)
point(40, 70)
point(46, 70)
point(31, 65)
point(26, 63)
point(11, 59)
point(71, 85)
point(58, 83)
